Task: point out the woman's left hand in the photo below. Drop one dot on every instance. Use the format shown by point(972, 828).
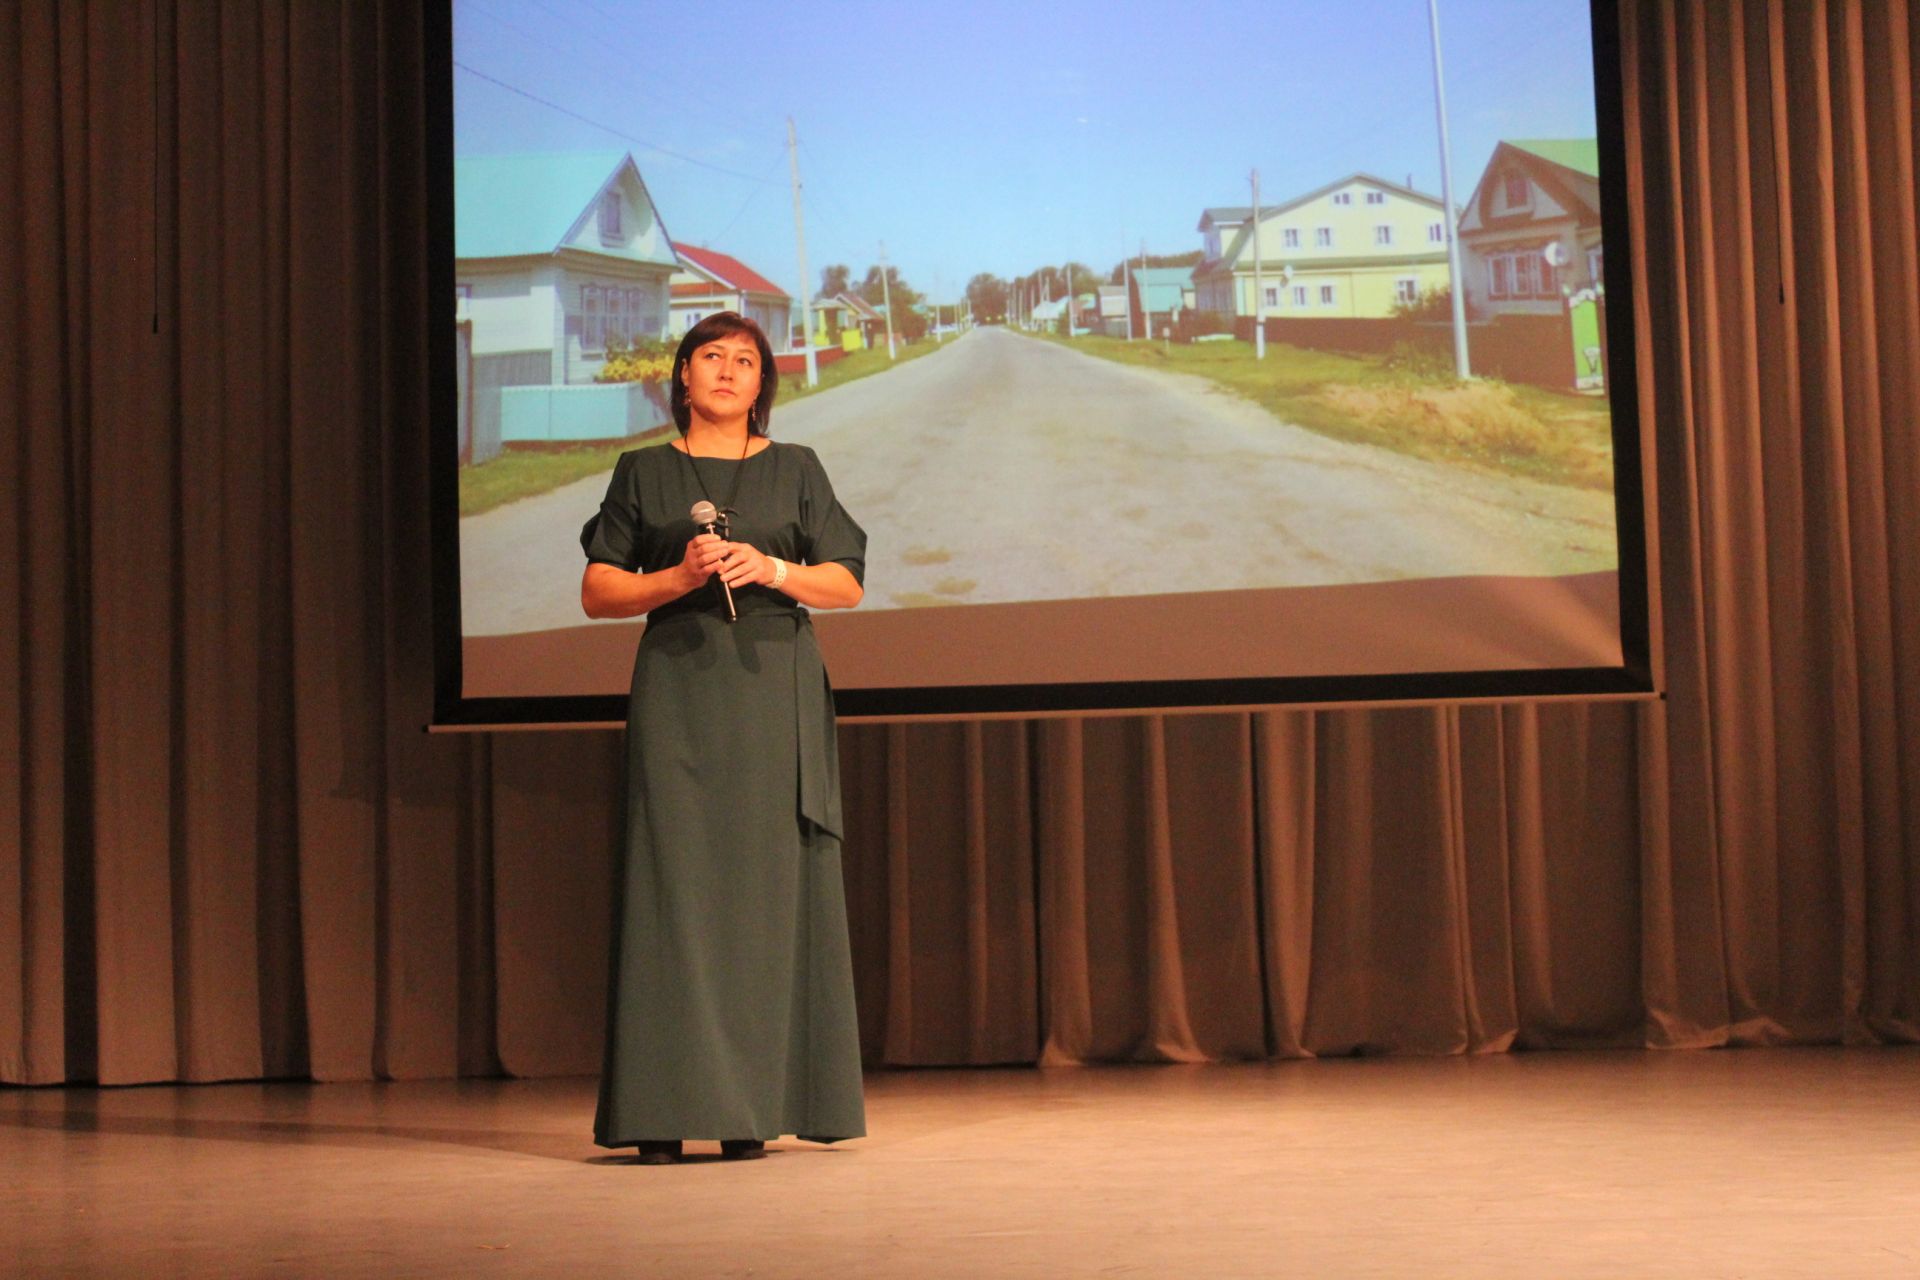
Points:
point(744, 564)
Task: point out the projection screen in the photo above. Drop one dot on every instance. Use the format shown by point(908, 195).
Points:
point(1195, 354)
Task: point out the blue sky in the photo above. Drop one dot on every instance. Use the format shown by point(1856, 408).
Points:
point(1003, 136)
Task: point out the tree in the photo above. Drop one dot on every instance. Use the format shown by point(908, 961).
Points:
point(1191, 258)
point(871, 290)
point(1082, 278)
point(899, 296)
point(835, 279)
point(987, 295)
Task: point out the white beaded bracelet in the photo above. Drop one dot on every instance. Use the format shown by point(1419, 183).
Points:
point(779, 572)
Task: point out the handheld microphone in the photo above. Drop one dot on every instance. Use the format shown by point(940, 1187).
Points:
point(708, 520)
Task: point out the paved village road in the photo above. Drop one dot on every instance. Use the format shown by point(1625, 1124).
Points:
point(1007, 468)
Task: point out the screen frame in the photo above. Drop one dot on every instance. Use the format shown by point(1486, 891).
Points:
point(1636, 676)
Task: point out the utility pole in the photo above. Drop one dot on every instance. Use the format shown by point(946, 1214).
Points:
point(1456, 278)
point(886, 298)
point(800, 242)
point(1259, 296)
point(1146, 312)
point(1126, 284)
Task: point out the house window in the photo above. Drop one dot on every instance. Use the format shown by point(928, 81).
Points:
point(1595, 265)
point(1323, 237)
point(1525, 277)
point(593, 324)
point(1436, 234)
point(1290, 238)
point(1383, 234)
point(1343, 197)
point(1326, 295)
point(610, 215)
point(1515, 191)
point(1273, 295)
point(1407, 290)
point(616, 315)
point(635, 329)
point(1299, 295)
point(1522, 273)
point(1376, 197)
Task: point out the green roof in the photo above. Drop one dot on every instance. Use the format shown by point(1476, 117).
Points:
point(1582, 155)
point(509, 206)
point(1161, 288)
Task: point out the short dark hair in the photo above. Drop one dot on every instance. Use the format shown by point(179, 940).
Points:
point(725, 324)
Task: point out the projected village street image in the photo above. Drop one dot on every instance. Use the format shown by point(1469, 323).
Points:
point(1080, 328)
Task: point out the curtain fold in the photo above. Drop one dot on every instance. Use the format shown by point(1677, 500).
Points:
point(228, 851)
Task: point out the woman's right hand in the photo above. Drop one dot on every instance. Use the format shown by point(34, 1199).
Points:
point(703, 555)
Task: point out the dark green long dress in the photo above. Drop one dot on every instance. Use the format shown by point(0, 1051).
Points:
point(730, 1007)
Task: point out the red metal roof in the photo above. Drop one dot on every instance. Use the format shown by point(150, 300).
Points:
point(732, 270)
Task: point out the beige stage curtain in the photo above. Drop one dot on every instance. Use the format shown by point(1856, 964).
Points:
point(226, 850)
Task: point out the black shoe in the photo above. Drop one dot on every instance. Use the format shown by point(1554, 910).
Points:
point(658, 1151)
point(742, 1149)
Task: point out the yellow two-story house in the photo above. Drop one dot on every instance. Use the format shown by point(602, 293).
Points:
point(1358, 247)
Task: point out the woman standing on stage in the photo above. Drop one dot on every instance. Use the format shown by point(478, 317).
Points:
point(730, 1008)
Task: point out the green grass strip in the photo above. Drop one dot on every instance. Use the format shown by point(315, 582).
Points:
point(1408, 407)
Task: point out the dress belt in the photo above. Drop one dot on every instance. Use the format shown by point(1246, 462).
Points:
point(815, 744)
point(818, 748)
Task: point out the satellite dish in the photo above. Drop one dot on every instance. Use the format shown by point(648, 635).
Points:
point(1555, 253)
point(1286, 273)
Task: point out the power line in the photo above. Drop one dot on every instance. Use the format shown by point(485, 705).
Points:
point(593, 60)
point(601, 125)
point(519, 30)
point(1476, 64)
point(813, 170)
point(744, 206)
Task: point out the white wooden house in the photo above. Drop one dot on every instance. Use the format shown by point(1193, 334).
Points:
point(555, 254)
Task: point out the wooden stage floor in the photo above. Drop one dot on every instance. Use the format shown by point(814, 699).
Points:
point(1780, 1162)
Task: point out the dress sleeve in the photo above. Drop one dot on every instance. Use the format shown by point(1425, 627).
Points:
point(612, 535)
point(831, 535)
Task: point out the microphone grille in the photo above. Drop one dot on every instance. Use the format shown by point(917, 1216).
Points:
point(703, 512)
